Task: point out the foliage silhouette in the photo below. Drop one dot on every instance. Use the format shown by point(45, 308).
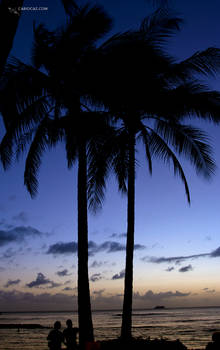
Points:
point(151, 99)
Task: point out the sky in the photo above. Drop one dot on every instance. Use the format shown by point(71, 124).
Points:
point(177, 246)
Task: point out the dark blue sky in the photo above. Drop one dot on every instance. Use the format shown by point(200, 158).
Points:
point(165, 225)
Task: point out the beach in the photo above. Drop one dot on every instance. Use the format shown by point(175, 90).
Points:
point(192, 326)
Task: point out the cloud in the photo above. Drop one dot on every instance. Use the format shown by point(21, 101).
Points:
point(96, 264)
point(21, 217)
point(18, 234)
point(21, 301)
point(174, 259)
point(118, 235)
point(67, 282)
point(108, 246)
point(63, 273)
point(63, 248)
point(96, 277)
point(186, 268)
point(9, 253)
point(177, 259)
point(12, 283)
point(150, 295)
point(41, 280)
point(93, 248)
point(215, 253)
point(207, 290)
point(119, 275)
point(169, 269)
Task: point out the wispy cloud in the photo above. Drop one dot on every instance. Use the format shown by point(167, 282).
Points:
point(96, 277)
point(18, 234)
point(207, 290)
point(12, 283)
point(63, 248)
point(96, 264)
point(93, 247)
point(119, 275)
point(41, 280)
point(118, 235)
point(63, 273)
point(177, 259)
point(150, 295)
point(21, 217)
point(169, 269)
point(186, 268)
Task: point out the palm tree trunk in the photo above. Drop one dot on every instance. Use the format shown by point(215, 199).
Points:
point(9, 19)
point(128, 284)
point(84, 305)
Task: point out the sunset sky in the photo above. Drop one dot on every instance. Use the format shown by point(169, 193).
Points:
point(177, 255)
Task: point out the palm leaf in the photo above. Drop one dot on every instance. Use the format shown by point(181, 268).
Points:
point(161, 150)
point(190, 142)
point(144, 135)
point(205, 62)
point(161, 24)
point(190, 100)
point(70, 7)
point(46, 136)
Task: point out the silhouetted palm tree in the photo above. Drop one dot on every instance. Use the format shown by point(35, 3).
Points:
point(150, 87)
point(9, 18)
point(48, 102)
point(10, 12)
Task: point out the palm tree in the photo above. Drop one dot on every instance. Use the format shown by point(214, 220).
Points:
point(49, 102)
point(9, 17)
point(10, 12)
point(152, 87)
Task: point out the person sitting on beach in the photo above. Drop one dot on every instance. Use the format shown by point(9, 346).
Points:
point(215, 344)
point(69, 334)
point(55, 337)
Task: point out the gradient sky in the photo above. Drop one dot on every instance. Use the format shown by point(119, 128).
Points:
point(177, 254)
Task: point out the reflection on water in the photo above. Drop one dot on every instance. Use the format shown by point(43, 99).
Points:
point(193, 327)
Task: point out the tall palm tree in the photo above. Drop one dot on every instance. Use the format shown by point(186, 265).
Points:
point(152, 87)
point(50, 102)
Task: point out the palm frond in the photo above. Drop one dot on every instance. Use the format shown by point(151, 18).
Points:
point(160, 25)
point(88, 25)
point(46, 136)
point(191, 100)
point(205, 62)
point(43, 42)
point(161, 150)
point(120, 159)
point(70, 7)
point(146, 140)
point(100, 136)
point(190, 142)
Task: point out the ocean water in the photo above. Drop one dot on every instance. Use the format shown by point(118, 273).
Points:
point(193, 326)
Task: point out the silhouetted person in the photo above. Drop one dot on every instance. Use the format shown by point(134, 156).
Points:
point(215, 344)
point(69, 334)
point(55, 337)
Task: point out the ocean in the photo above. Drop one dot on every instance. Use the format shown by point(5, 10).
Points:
point(192, 326)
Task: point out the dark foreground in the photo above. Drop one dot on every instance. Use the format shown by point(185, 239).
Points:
point(139, 344)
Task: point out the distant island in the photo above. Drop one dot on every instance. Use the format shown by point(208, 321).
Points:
point(159, 307)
